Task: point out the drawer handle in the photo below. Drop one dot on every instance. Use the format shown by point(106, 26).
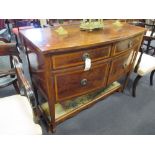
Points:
point(83, 82)
point(85, 56)
point(130, 44)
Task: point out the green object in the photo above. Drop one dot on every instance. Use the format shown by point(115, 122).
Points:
point(61, 31)
point(117, 23)
point(91, 24)
point(60, 21)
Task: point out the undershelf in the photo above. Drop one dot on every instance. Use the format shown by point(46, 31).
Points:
point(71, 107)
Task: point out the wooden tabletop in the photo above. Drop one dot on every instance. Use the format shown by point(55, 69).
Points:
point(47, 40)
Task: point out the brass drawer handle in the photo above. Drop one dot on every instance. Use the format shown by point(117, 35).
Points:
point(83, 82)
point(130, 44)
point(85, 56)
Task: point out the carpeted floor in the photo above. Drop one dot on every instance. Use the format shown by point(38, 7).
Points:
point(119, 113)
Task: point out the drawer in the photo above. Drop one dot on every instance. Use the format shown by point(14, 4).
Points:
point(120, 66)
point(124, 45)
point(78, 82)
point(76, 58)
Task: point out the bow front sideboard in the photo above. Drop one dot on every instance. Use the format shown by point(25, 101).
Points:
point(81, 66)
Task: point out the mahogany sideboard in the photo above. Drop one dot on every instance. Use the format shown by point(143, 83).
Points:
point(57, 63)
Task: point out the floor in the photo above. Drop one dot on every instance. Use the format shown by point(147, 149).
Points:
point(118, 114)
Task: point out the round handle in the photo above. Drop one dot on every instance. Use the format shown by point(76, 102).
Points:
point(130, 44)
point(85, 55)
point(83, 82)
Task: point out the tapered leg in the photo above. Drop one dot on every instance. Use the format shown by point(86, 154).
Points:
point(36, 94)
point(15, 84)
point(148, 45)
point(52, 129)
point(153, 52)
point(135, 85)
point(125, 81)
point(151, 77)
point(16, 38)
point(36, 116)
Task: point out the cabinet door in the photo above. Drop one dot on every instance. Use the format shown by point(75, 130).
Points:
point(120, 65)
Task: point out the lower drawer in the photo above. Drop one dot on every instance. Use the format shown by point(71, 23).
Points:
point(77, 82)
point(120, 66)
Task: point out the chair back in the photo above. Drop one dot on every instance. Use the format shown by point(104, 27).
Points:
point(8, 49)
point(151, 27)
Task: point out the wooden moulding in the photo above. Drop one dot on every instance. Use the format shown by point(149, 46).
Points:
point(72, 107)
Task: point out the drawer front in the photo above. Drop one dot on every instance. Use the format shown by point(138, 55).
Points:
point(76, 58)
point(120, 66)
point(124, 45)
point(78, 82)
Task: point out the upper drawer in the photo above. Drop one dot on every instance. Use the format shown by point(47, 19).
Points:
point(124, 45)
point(76, 58)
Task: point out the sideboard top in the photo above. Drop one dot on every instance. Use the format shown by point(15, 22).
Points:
point(47, 40)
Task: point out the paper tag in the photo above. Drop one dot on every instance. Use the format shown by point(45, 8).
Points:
point(87, 64)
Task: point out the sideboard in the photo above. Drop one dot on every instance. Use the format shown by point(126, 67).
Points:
point(74, 71)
